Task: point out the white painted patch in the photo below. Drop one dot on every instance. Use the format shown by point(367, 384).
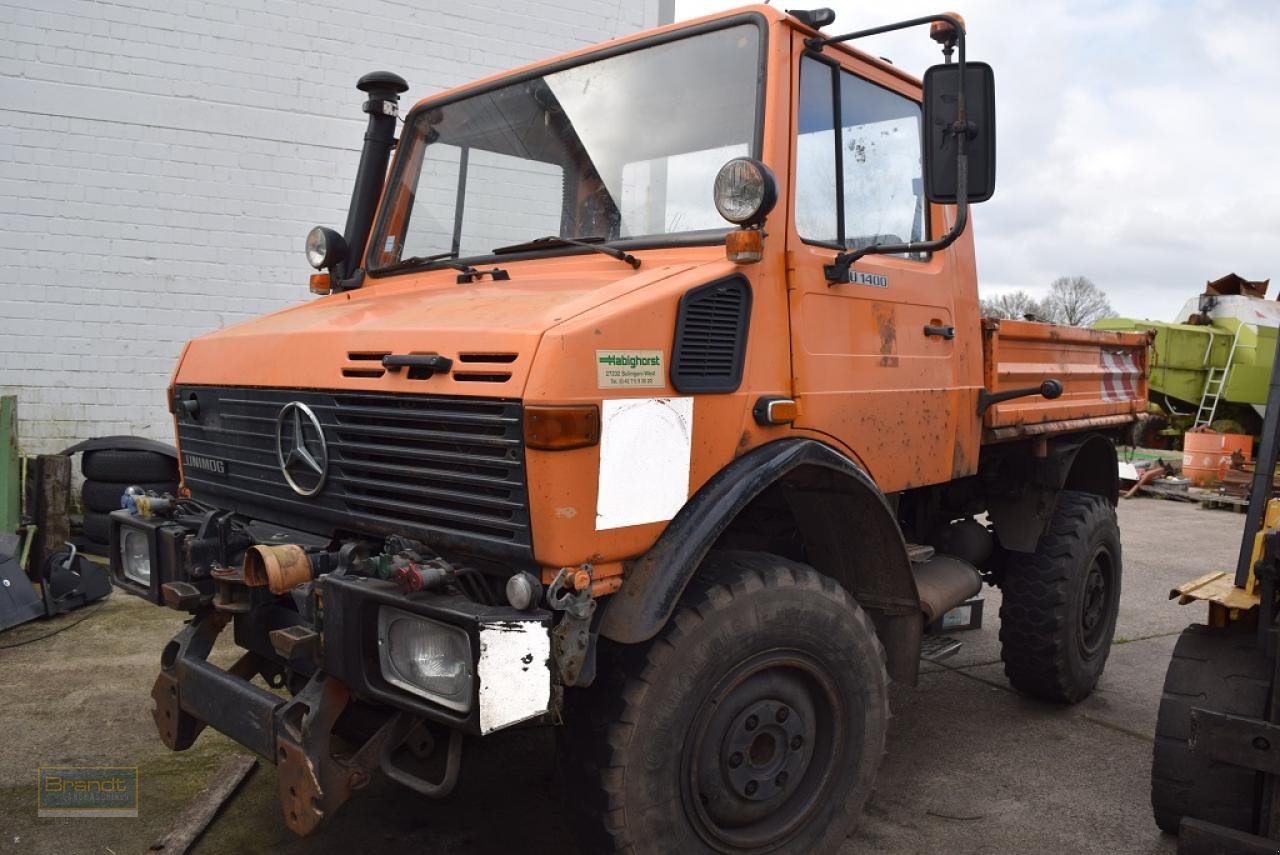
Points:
point(515, 673)
point(645, 444)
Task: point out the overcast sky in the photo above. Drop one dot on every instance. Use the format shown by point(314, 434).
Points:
point(1137, 140)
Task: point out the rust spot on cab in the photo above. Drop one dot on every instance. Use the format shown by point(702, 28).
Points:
point(883, 316)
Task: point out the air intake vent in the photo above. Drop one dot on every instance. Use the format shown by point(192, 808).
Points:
point(366, 364)
point(480, 377)
point(711, 336)
point(498, 358)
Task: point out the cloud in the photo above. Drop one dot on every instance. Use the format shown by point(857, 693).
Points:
point(1135, 140)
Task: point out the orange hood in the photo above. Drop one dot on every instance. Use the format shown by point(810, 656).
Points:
point(489, 329)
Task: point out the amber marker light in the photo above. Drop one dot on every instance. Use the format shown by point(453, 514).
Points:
point(942, 32)
point(744, 246)
point(320, 283)
point(559, 427)
point(772, 410)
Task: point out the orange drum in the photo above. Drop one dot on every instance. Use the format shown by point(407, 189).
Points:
point(1206, 456)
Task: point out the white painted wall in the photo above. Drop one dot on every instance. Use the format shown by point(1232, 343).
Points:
point(161, 162)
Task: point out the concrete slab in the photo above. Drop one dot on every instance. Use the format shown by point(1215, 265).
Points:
point(974, 768)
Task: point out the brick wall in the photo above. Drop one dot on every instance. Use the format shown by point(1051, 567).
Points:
point(161, 162)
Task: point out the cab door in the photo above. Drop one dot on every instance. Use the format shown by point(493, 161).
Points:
point(874, 358)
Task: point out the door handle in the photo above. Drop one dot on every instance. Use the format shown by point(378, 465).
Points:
point(948, 332)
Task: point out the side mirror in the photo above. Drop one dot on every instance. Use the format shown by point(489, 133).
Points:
point(941, 112)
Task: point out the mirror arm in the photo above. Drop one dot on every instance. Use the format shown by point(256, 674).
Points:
point(838, 271)
point(818, 43)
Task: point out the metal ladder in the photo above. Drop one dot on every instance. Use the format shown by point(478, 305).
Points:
point(1214, 385)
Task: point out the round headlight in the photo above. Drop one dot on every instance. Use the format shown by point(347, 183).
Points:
point(745, 191)
point(325, 247)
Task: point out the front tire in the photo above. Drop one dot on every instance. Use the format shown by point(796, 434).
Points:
point(1059, 604)
point(1219, 670)
point(754, 722)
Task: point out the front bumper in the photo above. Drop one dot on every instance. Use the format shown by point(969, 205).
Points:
point(512, 684)
point(322, 642)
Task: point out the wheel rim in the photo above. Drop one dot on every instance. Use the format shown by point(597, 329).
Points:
point(764, 747)
point(1096, 602)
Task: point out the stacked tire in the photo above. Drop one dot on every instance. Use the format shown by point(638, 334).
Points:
point(108, 472)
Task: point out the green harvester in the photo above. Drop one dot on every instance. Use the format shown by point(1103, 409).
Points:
point(1211, 367)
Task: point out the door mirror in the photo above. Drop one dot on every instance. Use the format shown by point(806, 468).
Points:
point(941, 112)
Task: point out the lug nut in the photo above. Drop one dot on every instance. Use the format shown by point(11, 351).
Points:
point(735, 760)
point(796, 742)
point(752, 722)
point(783, 712)
point(781, 780)
point(752, 786)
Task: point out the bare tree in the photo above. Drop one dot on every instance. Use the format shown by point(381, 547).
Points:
point(1015, 304)
point(1076, 301)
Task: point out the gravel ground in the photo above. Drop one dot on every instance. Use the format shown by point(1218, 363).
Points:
point(972, 767)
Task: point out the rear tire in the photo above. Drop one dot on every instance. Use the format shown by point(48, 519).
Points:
point(97, 527)
point(1059, 606)
point(110, 464)
point(754, 722)
point(1221, 671)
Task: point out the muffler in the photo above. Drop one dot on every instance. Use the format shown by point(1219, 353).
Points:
point(944, 582)
point(279, 568)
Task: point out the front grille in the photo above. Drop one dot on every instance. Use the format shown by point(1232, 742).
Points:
point(445, 470)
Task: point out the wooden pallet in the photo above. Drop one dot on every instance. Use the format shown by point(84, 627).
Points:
point(1159, 491)
point(1213, 500)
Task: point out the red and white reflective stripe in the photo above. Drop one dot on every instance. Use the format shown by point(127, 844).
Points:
point(1120, 376)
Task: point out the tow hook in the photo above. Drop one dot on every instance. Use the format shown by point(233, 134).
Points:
point(572, 643)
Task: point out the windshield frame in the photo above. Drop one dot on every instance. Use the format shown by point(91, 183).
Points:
point(703, 237)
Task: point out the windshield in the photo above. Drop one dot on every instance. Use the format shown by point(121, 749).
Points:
point(625, 147)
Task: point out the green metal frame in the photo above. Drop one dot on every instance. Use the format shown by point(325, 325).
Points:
point(10, 466)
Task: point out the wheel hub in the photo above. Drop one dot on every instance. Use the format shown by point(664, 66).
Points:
point(761, 751)
point(1094, 598)
point(1096, 603)
point(764, 750)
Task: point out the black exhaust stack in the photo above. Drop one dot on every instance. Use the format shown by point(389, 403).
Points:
point(384, 90)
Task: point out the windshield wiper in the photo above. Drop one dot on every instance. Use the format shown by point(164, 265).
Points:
point(466, 273)
point(415, 260)
point(553, 241)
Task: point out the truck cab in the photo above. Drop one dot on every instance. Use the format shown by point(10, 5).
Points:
point(645, 394)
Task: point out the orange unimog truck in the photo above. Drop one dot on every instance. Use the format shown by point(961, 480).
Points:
point(648, 397)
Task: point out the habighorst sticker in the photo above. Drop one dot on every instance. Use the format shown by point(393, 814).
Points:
point(629, 369)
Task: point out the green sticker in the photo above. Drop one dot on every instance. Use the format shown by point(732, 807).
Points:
point(629, 369)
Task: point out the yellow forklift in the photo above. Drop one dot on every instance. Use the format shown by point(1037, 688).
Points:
point(1215, 771)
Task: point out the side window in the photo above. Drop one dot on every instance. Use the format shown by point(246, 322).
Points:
point(863, 186)
point(816, 198)
point(880, 145)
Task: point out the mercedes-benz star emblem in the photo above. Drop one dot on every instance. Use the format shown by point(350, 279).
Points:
point(300, 448)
